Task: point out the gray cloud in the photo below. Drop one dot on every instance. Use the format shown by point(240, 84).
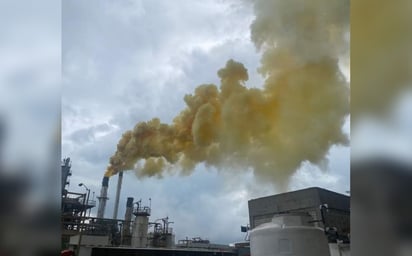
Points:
point(89, 134)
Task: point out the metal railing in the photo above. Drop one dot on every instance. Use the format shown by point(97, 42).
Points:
point(89, 225)
point(88, 203)
point(142, 211)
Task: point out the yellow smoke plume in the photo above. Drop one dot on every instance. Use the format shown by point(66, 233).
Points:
point(380, 55)
point(296, 117)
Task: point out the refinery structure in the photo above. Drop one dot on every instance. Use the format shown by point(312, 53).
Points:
point(311, 221)
point(134, 234)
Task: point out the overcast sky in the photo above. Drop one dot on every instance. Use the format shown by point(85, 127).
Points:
point(129, 61)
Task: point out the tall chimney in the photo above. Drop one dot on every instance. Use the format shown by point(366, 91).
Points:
point(116, 202)
point(126, 234)
point(103, 197)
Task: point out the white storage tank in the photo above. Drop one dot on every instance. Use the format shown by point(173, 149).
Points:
point(140, 225)
point(288, 234)
point(139, 233)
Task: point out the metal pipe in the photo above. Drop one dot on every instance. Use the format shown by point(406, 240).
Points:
point(90, 209)
point(86, 203)
point(103, 198)
point(79, 242)
point(116, 202)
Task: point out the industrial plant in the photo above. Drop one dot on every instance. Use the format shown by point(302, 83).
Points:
point(311, 221)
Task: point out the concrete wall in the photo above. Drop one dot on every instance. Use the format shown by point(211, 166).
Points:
point(261, 210)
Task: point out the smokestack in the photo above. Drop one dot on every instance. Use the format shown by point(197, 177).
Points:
point(126, 234)
point(116, 202)
point(103, 197)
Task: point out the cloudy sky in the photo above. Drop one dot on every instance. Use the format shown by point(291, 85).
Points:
point(129, 61)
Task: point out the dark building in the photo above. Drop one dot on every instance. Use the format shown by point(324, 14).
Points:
point(334, 213)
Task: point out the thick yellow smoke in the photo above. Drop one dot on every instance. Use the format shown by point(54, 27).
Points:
point(381, 55)
point(296, 117)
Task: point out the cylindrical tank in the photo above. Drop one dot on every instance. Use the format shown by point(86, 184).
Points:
point(170, 240)
point(139, 231)
point(288, 234)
